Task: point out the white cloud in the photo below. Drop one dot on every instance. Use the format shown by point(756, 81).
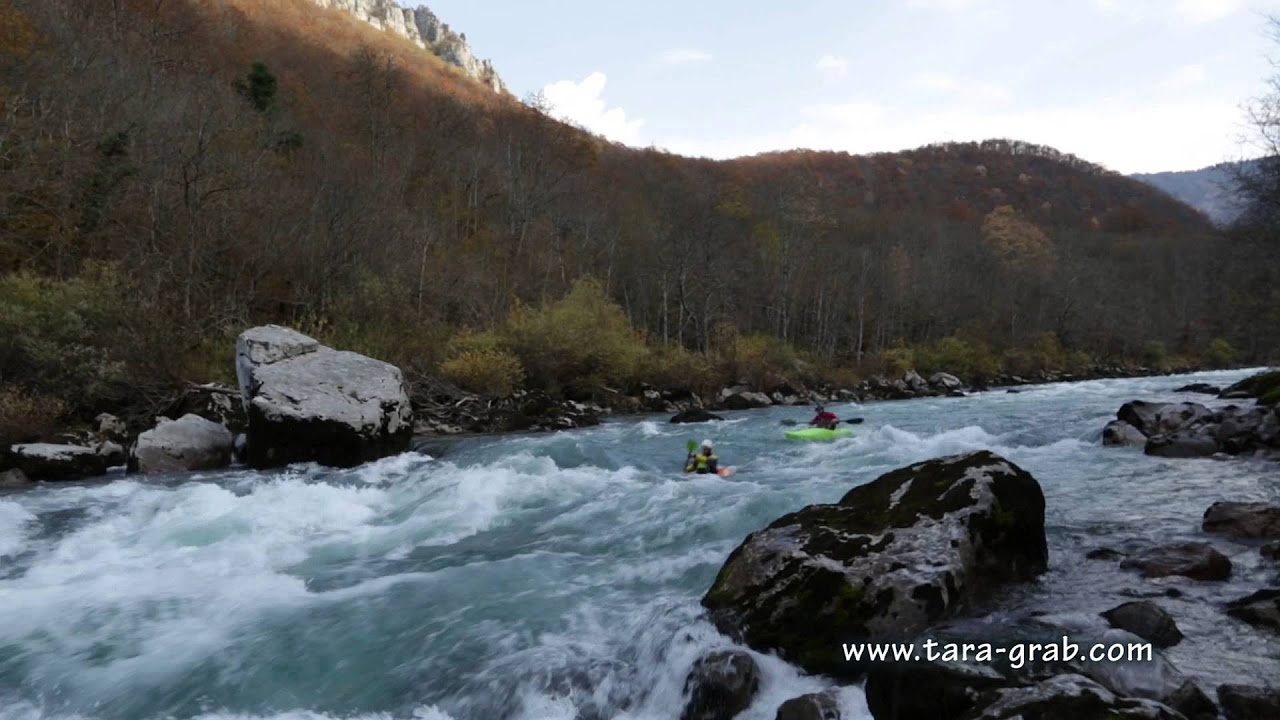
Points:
point(1184, 77)
point(682, 56)
point(968, 89)
point(1126, 138)
point(1190, 11)
point(582, 103)
point(832, 65)
point(951, 5)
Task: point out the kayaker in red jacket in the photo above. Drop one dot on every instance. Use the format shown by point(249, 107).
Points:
point(824, 419)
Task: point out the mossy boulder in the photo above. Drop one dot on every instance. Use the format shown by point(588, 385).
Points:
point(893, 556)
point(1265, 386)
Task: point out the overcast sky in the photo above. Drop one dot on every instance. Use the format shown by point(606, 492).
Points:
point(1135, 85)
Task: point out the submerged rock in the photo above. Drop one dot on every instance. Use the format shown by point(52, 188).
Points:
point(1121, 433)
point(1245, 702)
point(1198, 561)
point(1188, 443)
point(1146, 620)
point(695, 415)
point(307, 402)
point(14, 478)
point(1255, 521)
point(887, 560)
point(186, 444)
point(720, 685)
point(1202, 388)
point(1261, 609)
point(814, 706)
point(46, 461)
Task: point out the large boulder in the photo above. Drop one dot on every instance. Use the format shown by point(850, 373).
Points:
point(307, 402)
point(1255, 521)
point(188, 443)
point(1121, 433)
point(945, 381)
point(737, 399)
point(887, 560)
point(1152, 419)
point(1261, 609)
point(1245, 702)
point(1260, 386)
point(1198, 561)
point(1146, 620)
point(46, 461)
point(720, 685)
point(1202, 388)
point(1187, 443)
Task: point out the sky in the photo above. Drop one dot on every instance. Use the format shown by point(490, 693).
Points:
point(1133, 85)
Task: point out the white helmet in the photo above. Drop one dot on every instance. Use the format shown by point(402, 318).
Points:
point(706, 443)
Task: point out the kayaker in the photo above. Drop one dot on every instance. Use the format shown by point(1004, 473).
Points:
point(704, 461)
point(824, 419)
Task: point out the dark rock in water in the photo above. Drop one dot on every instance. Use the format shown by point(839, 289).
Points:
point(1261, 609)
point(307, 402)
point(1244, 702)
point(1192, 702)
point(890, 558)
point(44, 461)
point(1237, 431)
point(1261, 386)
point(1271, 551)
point(1141, 415)
point(1154, 419)
point(1202, 388)
point(1198, 561)
point(1120, 433)
point(186, 444)
point(1183, 444)
point(14, 478)
point(814, 706)
point(1257, 520)
point(1012, 392)
point(1146, 620)
point(720, 686)
point(1104, 554)
point(695, 415)
point(929, 691)
point(1068, 697)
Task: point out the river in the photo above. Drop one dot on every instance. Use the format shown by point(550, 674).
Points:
point(543, 576)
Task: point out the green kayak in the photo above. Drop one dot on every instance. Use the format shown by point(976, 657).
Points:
point(815, 433)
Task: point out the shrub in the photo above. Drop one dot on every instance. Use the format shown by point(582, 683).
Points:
point(26, 416)
point(580, 342)
point(55, 337)
point(1047, 353)
point(489, 372)
point(762, 361)
point(955, 355)
point(1154, 354)
point(467, 341)
point(677, 368)
point(897, 361)
point(1220, 354)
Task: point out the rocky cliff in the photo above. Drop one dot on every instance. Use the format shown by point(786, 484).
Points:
point(421, 26)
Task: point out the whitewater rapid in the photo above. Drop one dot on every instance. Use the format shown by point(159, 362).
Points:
point(539, 576)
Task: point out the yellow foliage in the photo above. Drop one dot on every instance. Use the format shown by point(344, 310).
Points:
point(26, 415)
point(490, 372)
point(17, 35)
point(677, 367)
point(762, 360)
point(1021, 248)
point(581, 341)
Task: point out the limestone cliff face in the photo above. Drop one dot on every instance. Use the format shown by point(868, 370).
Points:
point(421, 26)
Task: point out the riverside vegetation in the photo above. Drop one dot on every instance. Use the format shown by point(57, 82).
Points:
point(174, 173)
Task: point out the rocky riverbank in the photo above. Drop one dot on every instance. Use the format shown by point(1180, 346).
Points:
point(919, 554)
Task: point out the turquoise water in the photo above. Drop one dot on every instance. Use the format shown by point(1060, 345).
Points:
point(547, 576)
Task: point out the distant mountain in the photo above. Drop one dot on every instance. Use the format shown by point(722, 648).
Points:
point(1210, 190)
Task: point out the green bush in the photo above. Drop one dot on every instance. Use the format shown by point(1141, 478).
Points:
point(1220, 354)
point(762, 361)
point(677, 368)
point(580, 342)
point(469, 341)
point(56, 336)
point(1154, 354)
point(27, 416)
point(489, 372)
point(958, 357)
point(897, 361)
point(1047, 353)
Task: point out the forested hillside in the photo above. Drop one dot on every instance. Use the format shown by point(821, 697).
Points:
point(172, 172)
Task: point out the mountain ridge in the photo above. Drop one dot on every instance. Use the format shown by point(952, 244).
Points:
point(1209, 189)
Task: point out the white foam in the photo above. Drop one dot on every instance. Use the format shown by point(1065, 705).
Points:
point(15, 522)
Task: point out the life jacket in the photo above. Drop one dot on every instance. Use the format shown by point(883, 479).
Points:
point(700, 463)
